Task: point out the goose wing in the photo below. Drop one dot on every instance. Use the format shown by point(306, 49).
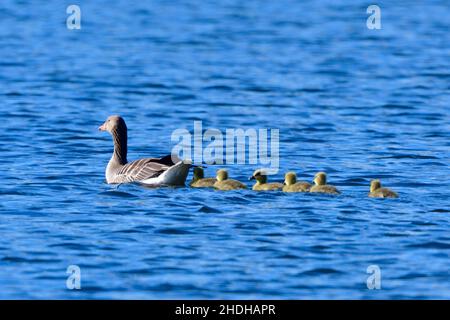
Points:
point(143, 169)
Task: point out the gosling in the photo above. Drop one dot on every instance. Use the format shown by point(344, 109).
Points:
point(291, 184)
point(376, 191)
point(225, 184)
point(321, 186)
point(261, 182)
point(199, 180)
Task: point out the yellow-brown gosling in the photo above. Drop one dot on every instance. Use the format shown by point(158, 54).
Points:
point(261, 182)
point(291, 184)
point(320, 184)
point(376, 191)
point(199, 180)
point(223, 183)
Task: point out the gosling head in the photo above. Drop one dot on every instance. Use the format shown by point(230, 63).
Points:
point(259, 175)
point(198, 173)
point(320, 179)
point(113, 123)
point(290, 178)
point(374, 185)
point(222, 175)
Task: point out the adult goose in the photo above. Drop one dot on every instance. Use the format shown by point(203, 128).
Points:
point(168, 170)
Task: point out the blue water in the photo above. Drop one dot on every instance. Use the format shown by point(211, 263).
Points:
point(354, 102)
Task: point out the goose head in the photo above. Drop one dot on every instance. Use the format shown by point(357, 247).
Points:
point(198, 173)
point(290, 178)
point(114, 124)
point(222, 175)
point(259, 175)
point(374, 185)
point(320, 179)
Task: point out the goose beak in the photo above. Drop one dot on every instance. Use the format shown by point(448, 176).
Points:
point(102, 127)
point(251, 178)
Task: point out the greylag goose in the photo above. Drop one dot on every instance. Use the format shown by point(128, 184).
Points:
point(376, 191)
point(321, 186)
point(291, 184)
point(199, 180)
point(261, 182)
point(225, 184)
point(168, 170)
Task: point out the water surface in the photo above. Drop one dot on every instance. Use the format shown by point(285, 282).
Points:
point(353, 102)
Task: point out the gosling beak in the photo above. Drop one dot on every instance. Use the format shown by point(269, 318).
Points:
point(284, 183)
point(102, 127)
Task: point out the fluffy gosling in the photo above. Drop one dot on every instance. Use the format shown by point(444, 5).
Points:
point(291, 184)
point(199, 180)
point(261, 182)
point(376, 191)
point(223, 183)
point(320, 181)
